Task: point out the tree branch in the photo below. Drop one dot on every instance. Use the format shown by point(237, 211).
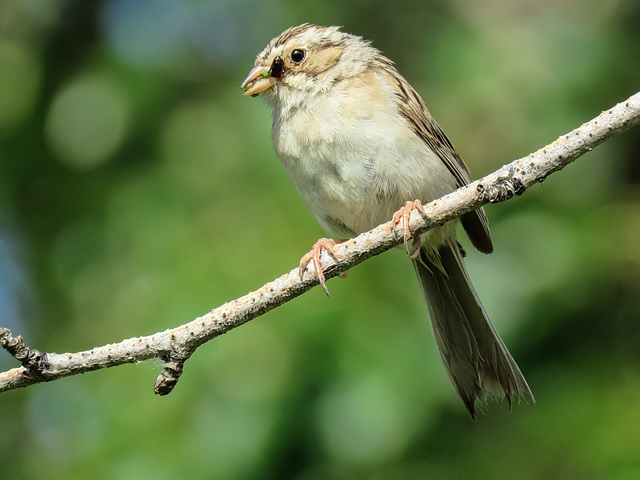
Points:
point(176, 345)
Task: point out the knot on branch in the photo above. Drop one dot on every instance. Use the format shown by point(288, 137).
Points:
point(33, 360)
point(166, 381)
point(504, 188)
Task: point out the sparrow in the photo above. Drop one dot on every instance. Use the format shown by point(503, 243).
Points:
point(361, 148)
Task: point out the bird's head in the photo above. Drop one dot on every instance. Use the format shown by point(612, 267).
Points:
point(307, 58)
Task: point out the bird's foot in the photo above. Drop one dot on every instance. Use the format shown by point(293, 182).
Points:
point(402, 217)
point(314, 256)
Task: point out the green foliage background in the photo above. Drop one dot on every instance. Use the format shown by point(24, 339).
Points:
point(139, 189)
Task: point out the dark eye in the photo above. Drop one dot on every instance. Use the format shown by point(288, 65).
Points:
point(297, 55)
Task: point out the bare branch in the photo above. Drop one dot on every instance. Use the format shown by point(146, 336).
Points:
point(176, 345)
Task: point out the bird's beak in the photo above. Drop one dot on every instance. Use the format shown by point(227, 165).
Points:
point(258, 80)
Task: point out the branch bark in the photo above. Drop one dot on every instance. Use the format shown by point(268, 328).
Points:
point(176, 345)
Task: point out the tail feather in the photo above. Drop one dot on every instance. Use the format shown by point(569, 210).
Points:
point(474, 356)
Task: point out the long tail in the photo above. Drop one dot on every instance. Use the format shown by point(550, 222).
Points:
point(474, 356)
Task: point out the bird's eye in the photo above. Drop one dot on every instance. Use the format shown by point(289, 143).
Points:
point(297, 55)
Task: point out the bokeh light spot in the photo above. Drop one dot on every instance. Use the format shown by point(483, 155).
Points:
point(148, 33)
point(362, 422)
point(87, 122)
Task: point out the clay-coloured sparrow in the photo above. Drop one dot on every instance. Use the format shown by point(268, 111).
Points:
point(359, 143)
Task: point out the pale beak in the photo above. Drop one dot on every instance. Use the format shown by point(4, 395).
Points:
point(258, 80)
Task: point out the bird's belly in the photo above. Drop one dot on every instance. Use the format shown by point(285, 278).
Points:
point(337, 193)
point(353, 176)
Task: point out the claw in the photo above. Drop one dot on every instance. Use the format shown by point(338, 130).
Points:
point(314, 256)
point(403, 216)
point(416, 244)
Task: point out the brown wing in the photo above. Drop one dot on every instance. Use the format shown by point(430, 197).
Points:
point(414, 110)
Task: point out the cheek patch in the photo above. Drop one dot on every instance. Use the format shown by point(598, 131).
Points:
point(322, 58)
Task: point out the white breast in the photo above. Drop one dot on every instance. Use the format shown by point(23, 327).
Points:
point(353, 158)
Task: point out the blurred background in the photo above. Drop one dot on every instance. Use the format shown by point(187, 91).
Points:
point(139, 189)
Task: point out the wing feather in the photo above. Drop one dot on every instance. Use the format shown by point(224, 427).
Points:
point(415, 112)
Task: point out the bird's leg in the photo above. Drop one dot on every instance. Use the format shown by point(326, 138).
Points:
point(403, 216)
point(314, 256)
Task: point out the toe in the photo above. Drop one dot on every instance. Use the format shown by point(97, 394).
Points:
point(314, 257)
